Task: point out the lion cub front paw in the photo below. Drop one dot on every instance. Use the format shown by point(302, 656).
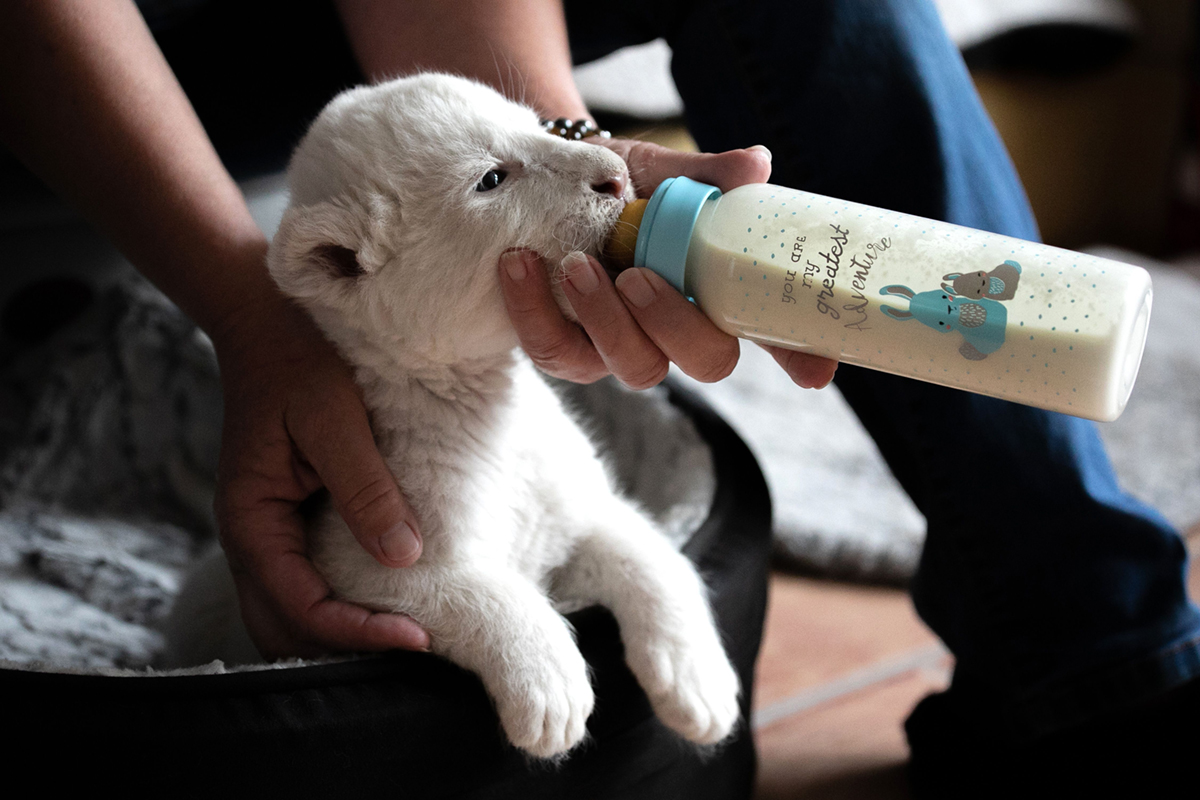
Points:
point(692, 686)
point(544, 703)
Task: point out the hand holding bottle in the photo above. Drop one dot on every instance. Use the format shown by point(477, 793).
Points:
point(634, 328)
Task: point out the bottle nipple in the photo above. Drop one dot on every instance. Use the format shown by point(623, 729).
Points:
point(622, 240)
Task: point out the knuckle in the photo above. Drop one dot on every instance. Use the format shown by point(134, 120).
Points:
point(369, 501)
point(607, 326)
point(242, 560)
point(650, 374)
point(553, 354)
point(718, 367)
point(641, 158)
point(524, 302)
point(587, 375)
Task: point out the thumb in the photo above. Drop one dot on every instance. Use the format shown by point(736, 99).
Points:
point(650, 164)
point(360, 484)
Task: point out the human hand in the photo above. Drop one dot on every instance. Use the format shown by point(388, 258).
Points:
point(635, 326)
point(294, 422)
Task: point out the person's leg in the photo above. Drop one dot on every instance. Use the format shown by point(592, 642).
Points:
point(1060, 596)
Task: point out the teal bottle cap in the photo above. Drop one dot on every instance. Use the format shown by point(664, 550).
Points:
point(666, 229)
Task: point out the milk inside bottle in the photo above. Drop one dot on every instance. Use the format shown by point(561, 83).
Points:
point(915, 297)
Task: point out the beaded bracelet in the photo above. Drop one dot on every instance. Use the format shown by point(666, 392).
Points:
point(573, 129)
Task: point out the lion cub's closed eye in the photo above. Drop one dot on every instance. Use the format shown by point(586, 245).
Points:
point(403, 197)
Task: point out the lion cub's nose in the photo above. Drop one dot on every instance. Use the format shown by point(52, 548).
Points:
point(613, 184)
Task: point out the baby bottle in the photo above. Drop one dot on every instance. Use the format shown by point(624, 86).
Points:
point(910, 296)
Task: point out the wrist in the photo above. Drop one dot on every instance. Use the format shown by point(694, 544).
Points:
point(239, 299)
point(574, 129)
point(560, 101)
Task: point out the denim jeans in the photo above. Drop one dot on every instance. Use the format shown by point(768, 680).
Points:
point(1060, 596)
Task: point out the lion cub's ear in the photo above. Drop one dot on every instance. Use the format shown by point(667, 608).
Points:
point(336, 241)
point(338, 261)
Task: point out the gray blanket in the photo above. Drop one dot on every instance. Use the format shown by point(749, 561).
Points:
point(106, 475)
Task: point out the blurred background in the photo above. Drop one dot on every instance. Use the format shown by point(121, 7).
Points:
point(1096, 100)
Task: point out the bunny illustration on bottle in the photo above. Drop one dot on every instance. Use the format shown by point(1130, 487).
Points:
point(981, 322)
point(999, 284)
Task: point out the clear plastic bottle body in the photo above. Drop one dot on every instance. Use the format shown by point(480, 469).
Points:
point(920, 298)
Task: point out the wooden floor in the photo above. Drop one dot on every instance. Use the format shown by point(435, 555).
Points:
point(840, 669)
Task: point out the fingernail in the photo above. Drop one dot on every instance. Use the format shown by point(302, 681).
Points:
point(798, 374)
point(400, 543)
point(633, 285)
point(513, 262)
point(580, 272)
point(762, 149)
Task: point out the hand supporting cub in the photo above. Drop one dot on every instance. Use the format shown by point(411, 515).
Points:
point(295, 421)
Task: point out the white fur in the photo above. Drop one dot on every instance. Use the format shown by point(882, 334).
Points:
point(517, 512)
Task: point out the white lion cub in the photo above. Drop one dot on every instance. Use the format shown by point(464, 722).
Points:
point(403, 197)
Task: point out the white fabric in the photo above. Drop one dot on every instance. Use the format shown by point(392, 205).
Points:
point(970, 22)
point(637, 80)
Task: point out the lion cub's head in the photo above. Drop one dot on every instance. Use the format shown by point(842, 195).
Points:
point(403, 197)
